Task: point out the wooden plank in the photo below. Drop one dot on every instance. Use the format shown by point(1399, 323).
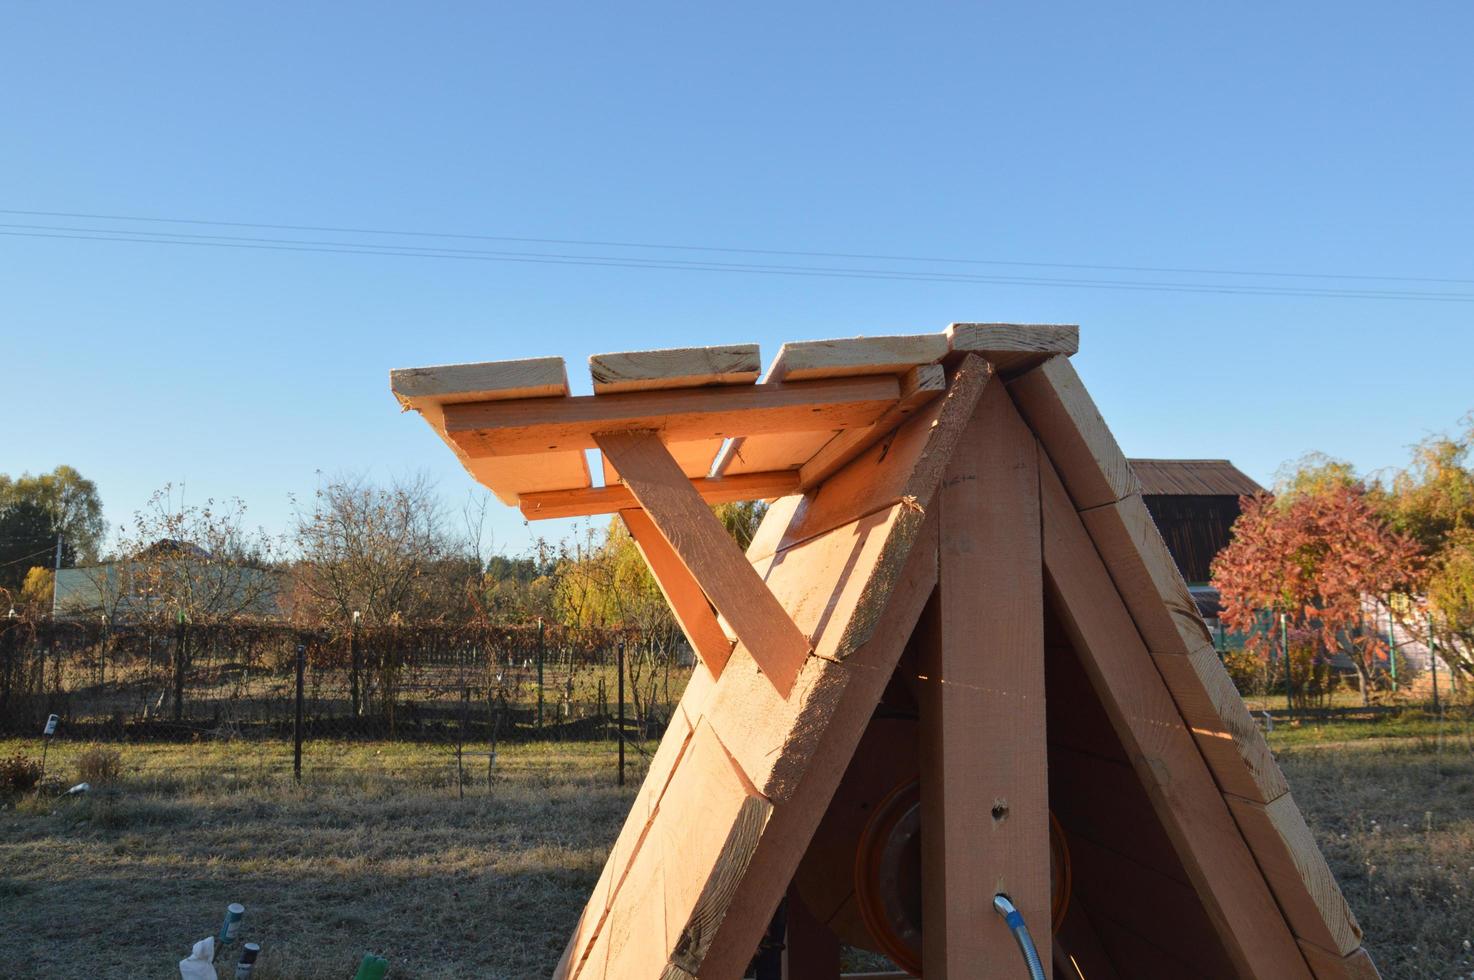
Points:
point(536, 426)
point(694, 459)
point(1053, 400)
point(810, 950)
point(1014, 347)
point(817, 359)
point(688, 604)
point(1328, 966)
point(607, 500)
point(906, 467)
point(681, 367)
point(1230, 742)
point(1163, 753)
point(918, 386)
point(510, 478)
point(1147, 577)
point(816, 734)
point(1297, 873)
point(445, 384)
point(984, 760)
point(850, 356)
point(708, 552)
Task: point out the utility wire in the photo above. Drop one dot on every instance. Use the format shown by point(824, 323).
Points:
point(1174, 270)
point(631, 262)
point(16, 561)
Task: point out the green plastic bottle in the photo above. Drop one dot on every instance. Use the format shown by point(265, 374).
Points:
point(372, 968)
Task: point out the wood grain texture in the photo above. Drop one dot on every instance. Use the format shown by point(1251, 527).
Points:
point(1230, 742)
point(918, 387)
point(688, 604)
point(680, 367)
point(1297, 873)
point(1166, 759)
point(1014, 347)
point(510, 476)
point(536, 426)
point(984, 760)
point(445, 384)
point(1147, 577)
point(1329, 966)
point(709, 554)
point(810, 360)
point(1053, 400)
point(583, 502)
point(694, 459)
point(904, 466)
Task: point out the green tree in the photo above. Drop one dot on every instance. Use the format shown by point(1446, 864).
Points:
point(73, 507)
point(26, 539)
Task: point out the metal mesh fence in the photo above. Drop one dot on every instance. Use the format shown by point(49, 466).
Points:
point(436, 682)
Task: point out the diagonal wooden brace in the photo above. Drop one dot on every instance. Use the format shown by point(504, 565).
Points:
point(687, 602)
point(708, 553)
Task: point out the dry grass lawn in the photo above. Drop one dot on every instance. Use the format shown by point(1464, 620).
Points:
point(376, 852)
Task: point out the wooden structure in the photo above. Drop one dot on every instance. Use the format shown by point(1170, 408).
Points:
point(1194, 503)
point(957, 593)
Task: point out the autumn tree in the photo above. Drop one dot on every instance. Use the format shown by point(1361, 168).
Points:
point(72, 507)
point(1433, 502)
point(1314, 552)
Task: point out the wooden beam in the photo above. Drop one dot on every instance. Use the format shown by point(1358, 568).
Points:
point(1166, 760)
point(809, 360)
point(534, 426)
point(918, 386)
point(607, 500)
point(1053, 400)
point(710, 555)
point(984, 758)
point(683, 367)
point(537, 377)
point(1328, 966)
point(1014, 347)
point(686, 600)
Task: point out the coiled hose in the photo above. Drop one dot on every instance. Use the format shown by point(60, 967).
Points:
point(1020, 931)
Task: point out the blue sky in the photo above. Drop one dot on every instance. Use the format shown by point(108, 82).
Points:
point(1315, 138)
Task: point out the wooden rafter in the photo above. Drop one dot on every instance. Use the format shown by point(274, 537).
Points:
point(511, 428)
point(687, 602)
point(610, 499)
point(709, 554)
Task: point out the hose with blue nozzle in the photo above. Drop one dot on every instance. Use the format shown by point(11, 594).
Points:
point(1020, 930)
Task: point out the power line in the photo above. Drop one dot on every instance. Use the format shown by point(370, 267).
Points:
point(16, 561)
point(596, 243)
point(631, 262)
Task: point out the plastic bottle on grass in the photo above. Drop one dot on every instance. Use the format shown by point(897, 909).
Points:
point(197, 965)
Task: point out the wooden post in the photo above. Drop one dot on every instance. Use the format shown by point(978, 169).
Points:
point(179, 641)
point(810, 950)
point(985, 789)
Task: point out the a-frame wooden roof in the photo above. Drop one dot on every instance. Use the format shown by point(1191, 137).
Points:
point(880, 466)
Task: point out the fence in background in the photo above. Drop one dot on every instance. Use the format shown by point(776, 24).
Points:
point(466, 682)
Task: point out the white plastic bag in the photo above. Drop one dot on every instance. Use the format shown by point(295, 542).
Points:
point(197, 965)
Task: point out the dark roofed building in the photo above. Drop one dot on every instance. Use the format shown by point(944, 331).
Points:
point(1194, 502)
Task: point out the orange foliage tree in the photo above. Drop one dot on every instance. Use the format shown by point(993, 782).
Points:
point(1315, 555)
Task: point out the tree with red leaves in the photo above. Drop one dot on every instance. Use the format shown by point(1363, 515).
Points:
point(1314, 554)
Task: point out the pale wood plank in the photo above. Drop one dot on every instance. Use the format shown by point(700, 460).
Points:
point(1014, 347)
point(918, 387)
point(1166, 759)
point(1147, 577)
point(1230, 742)
point(536, 426)
point(509, 477)
point(984, 760)
point(680, 367)
point(875, 479)
point(1330, 966)
point(694, 459)
point(535, 377)
point(711, 556)
point(1297, 873)
point(1053, 400)
point(687, 602)
point(822, 729)
point(817, 359)
point(582, 502)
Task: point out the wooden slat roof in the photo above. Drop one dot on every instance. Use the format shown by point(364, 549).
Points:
point(517, 429)
point(1193, 477)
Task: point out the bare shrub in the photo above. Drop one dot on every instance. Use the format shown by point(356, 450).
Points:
point(19, 774)
point(99, 767)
